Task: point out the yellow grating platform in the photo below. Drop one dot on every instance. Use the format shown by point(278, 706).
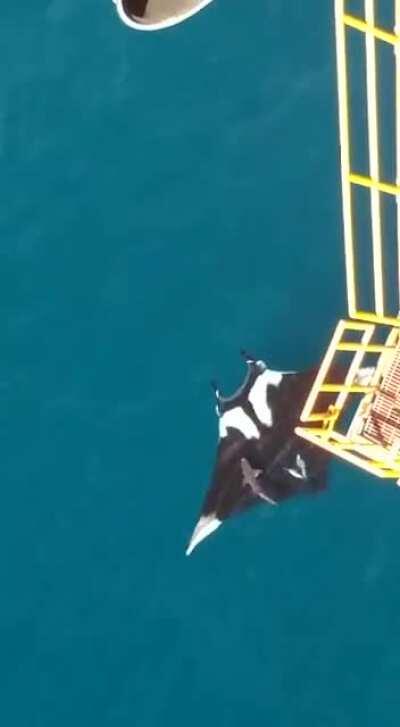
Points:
point(382, 424)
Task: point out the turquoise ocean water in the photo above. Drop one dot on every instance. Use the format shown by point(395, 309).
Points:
point(167, 199)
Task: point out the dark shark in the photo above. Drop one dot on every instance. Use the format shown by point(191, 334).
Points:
point(259, 456)
point(250, 479)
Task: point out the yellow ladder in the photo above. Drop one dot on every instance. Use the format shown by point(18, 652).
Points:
point(335, 412)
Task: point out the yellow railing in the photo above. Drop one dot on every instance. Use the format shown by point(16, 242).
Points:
point(341, 410)
point(374, 37)
point(323, 420)
point(367, 27)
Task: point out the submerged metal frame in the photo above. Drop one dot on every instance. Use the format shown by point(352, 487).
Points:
point(372, 334)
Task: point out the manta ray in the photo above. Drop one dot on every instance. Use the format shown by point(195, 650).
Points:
point(259, 457)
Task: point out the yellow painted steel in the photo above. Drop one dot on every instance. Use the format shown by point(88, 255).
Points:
point(323, 416)
point(324, 428)
point(352, 22)
point(374, 184)
point(363, 315)
point(353, 326)
point(374, 165)
point(374, 36)
point(397, 154)
point(365, 346)
point(344, 135)
point(342, 388)
point(372, 466)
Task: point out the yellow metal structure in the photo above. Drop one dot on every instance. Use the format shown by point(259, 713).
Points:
point(353, 409)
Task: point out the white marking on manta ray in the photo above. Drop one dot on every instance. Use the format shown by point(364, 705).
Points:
point(206, 525)
point(299, 471)
point(238, 419)
point(250, 478)
point(258, 395)
point(263, 366)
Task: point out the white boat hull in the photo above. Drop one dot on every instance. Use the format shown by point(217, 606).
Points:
point(157, 14)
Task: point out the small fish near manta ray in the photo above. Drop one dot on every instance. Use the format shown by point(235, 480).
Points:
point(259, 457)
point(157, 14)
